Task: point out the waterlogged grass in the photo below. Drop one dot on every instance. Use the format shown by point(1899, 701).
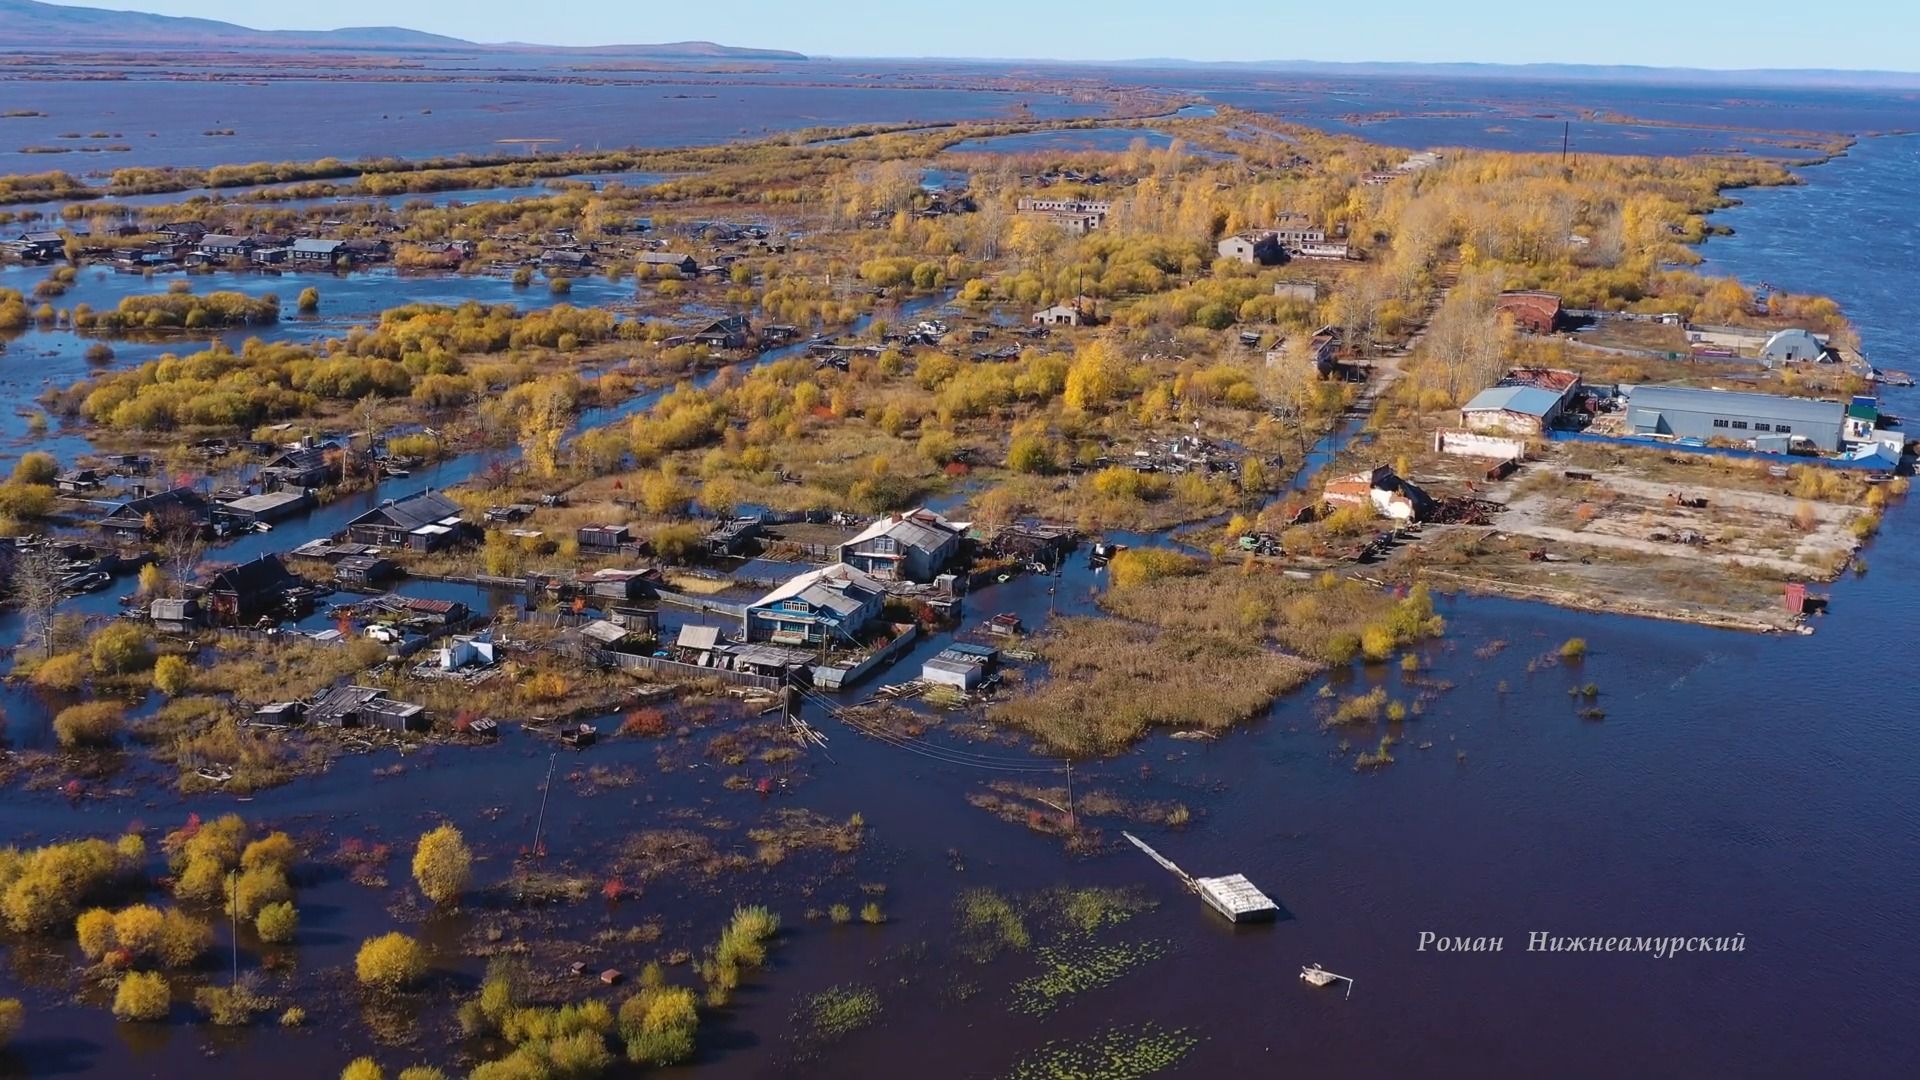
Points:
point(991, 924)
point(1115, 1054)
point(839, 1011)
point(1090, 909)
point(1075, 969)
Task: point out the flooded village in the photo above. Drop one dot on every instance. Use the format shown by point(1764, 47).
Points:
point(742, 607)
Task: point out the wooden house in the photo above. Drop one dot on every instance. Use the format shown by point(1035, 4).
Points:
point(142, 515)
point(423, 521)
point(731, 332)
point(365, 706)
point(242, 594)
point(913, 546)
point(832, 603)
point(307, 466)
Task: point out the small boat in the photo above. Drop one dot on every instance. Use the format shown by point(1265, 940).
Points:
point(579, 735)
point(1316, 975)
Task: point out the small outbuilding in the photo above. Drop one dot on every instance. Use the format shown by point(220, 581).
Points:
point(1794, 346)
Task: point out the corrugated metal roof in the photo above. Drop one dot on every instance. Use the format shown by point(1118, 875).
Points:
point(699, 638)
point(921, 529)
point(1526, 400)
point(838, 588)
point(1688, 399)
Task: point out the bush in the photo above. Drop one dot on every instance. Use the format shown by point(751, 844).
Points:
point(183, 940)
point(293, 1017)
point(1139, 566)
point(90, 723)
point(94, 931)
point(1573, 649)
point(23, 501)
point(442, 864)
point(362, 1069)
point(421, 1072)
point(390, 962)
point(256, 888)
point(309, 300)
point(66, 671)
point(12, 1016)
point(229, 1006)
point(872, 915)
point(36, 467)
point(44, 888)
point(1030, 454)
point(121, 648)
point(172, 674)
point(658, 1025)
point(142, 995)
point(275, 851)
point(277, 922)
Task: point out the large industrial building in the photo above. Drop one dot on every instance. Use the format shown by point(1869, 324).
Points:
point(1688, 412)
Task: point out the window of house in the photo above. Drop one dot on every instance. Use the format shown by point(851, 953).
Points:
point(1719, 423)
point(1741, 424)
point(1763, 427)
point(1782, 428)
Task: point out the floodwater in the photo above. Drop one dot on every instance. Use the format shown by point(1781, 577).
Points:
point(1533, 115)
point(1759, 786)
point(55, 210)
point(1069, 141)
point(166, 122)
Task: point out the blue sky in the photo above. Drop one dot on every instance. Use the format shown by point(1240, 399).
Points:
point(1857, 34)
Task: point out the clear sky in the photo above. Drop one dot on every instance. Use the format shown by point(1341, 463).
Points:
point(1856, 34)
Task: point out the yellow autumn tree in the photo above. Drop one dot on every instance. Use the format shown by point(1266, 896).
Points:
point(443, 864)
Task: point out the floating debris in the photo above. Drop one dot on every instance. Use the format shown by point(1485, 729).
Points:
point(1319, 976)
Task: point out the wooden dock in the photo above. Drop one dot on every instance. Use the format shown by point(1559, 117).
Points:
point(1233, 895)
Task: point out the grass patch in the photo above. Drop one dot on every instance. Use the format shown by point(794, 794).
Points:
point(1114, 1054)
point(1073, 969)
point(839, 1011)
point(1113, 680)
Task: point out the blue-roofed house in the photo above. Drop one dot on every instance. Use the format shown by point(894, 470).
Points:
point(834, 602)
point(1513, 410)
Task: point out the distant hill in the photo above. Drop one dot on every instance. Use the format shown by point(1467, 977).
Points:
point(1613, 73)
point(32, 24)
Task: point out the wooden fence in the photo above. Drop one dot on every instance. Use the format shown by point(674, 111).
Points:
point(732, 609)
point(678, 670)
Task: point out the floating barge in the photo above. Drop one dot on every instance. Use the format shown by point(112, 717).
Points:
point(1233, 895)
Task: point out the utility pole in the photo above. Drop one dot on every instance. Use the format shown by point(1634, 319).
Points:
point(233, 920)
point(1070, 823)
point(1566, 136)
point(547, 789)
